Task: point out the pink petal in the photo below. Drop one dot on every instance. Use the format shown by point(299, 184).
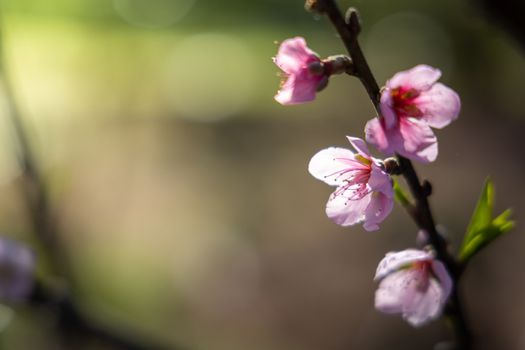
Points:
point(394, 261)
point(423, 306)
point(440, 105)
point(380, 181)
point(394, 290)
point(328, 164)
point(360, 146)
point(402, 292)
point(298, 89)
point(347, 212)
point(375, 134)
point(414, 139)
point(420, 78)
point(411, 138)
point(389, 294)
point(444, 278)
point(294, 55)
point(380, 206)
point(387, 109)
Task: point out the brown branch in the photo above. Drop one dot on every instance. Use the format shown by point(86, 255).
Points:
point(421, 213)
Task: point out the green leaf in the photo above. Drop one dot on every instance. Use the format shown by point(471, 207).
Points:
point(502, 219)
point(400, 195)
point(482, 215)
point(483, 227)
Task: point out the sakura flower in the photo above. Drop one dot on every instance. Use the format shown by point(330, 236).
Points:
point(412, 283)
point(303, 70)
point(17, 263)
point(411, 103)
point(364, 190)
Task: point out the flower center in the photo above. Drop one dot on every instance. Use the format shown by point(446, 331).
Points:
point(424, 269)
point(353, 177)
point(363, 160)
point(403, 102)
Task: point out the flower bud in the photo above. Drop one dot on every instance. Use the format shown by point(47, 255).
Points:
point(323, 83)
point(422, 239)
point(338, 64)
point(316, 68)
point(317, 6)
point(392, 166)
point(353, 20)
point(303, 72)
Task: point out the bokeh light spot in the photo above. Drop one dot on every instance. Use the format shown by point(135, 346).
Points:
point(210, 77)
point(153, 13)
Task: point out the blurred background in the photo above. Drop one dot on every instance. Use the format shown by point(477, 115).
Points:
point(180, 187)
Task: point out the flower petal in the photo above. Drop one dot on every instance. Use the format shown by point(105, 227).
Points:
point(423, 305)
point(346, 212)
point(394, 261)
point(294, 55)
point(444, 278)
point(331, 164)
point(440, 105)
point(360, 146)
point(411, 138)
point(401, 292)
point(387, 108)
point(375, 134)
point(414, 139)
point(380, 206)
point(421, 78)
point(389, 294)
point(298, 88)
point(380, 181)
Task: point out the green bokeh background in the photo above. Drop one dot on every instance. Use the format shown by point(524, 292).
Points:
point(180, 186)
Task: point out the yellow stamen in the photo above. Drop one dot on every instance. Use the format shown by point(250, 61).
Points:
point(363, 160)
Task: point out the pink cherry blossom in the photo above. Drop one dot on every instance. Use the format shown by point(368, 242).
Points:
point(412, 283)
point(303, 71)
point(411, 103)
point(364, 190)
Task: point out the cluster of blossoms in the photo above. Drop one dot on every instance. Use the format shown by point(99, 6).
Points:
point(411, 282)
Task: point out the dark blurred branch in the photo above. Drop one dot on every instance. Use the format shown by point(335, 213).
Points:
point(348, 30)
point(36, 196)
point(76, 327)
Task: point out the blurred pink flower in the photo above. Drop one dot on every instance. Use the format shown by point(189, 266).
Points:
point(413, 284)
point(411, 103)
point(303, 71)
point(17, 265)
point(364, 190)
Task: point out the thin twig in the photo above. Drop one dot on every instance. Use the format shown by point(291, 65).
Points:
point(421, 213)
point(36, 196)
point(77, 327)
